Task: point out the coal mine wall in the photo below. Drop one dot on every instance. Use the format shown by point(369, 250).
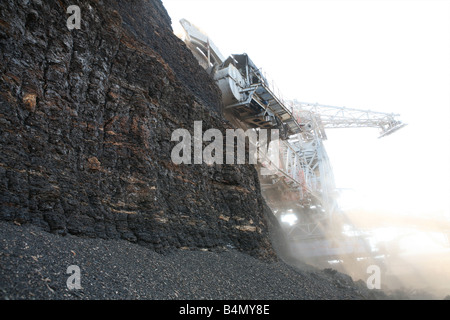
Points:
point(86, 118)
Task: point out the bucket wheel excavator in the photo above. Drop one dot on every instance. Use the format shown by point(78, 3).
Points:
point(300, 187)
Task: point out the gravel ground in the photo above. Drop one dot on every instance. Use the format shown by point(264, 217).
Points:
point(33, 265)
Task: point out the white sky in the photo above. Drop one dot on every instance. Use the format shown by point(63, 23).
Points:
point(390, 56)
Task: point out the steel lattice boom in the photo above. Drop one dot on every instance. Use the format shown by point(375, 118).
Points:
point(342, 117)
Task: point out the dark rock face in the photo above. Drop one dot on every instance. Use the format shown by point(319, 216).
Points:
point(86, 118)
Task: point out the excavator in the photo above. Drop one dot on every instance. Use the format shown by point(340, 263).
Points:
point(300, 187)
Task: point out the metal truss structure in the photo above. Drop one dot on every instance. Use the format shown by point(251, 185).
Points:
point(342, 117)
point(301, 183)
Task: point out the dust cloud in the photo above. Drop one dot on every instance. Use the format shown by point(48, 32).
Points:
point(411, 253)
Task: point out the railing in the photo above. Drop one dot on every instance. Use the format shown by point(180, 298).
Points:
point(274, 89)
